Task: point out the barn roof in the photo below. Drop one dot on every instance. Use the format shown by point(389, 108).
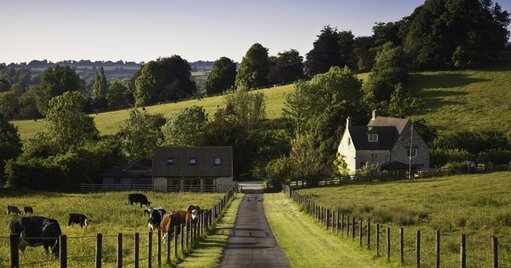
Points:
point(139, 169)
point(209, 161)
point(382, 121)
point(387, 136)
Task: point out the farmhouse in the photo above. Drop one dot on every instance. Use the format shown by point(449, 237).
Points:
point(386, 143)
point(195, 169)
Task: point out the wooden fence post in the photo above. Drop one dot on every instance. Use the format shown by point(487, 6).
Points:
point(353, 228)
point(137, 250)
point(158, 248)
point(99, 249)
point(463, 256)
point(495, 247)
point(401, 245)
point(437, 240)
point(119, 250)
point(337, 222)
point(14, 241)
point(368, 234)
point(150, 248)
point(327, 218)
point(348, 226)
point(187, 235)
point(168, 247)
point(388, 243)
point(418, 248)
point(182, 239)
point(342, 222)
point(360, 232)
point(63, 251)
point(377, 240)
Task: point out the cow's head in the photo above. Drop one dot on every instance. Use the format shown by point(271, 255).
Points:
point(86, 222)
point(195, 214)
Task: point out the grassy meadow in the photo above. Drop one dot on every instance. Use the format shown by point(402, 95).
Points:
point(110, 214)
point(476, 205)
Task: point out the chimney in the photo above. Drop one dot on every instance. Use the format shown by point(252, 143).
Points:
point(375, 114)
point(348, 122)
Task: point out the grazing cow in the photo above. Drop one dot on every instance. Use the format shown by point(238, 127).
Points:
point(78, 219)
point(13, 210)
point(195, 211)
point(155, 217)
point(138, 198)
point(169, 220)
point(28, 210)
point(35, 231)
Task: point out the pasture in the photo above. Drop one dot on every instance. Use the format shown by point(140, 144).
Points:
point(110, 214)
point(475, 205)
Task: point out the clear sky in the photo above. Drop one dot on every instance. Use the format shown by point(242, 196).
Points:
point(143, 30)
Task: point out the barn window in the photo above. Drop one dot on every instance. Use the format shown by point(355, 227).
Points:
point(372, 137)
point(413, 152)
point(218, 161)
point(170, 161)
point(192, 161)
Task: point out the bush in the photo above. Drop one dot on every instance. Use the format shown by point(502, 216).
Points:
point(442, 156)
point(495, 157)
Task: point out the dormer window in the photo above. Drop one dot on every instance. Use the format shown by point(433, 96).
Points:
point(372, 137)
point(192, 161)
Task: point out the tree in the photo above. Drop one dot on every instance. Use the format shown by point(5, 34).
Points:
point(402, 104)
point(253, 68)
point(99, 89)
point(4, 85)
point(319, 108)
point(186, 128)
point(9, 105)
point(222, 76)
point(10, 143)
point(118, 95)
point(388, 71)
point(166, 79)
point(68, 126)
point(332, 48)
point(245, 108)
point(364, 53)
point(139, 134)
point(55, 82)
point(27, 106)
point(287, 67)
point(306, 158)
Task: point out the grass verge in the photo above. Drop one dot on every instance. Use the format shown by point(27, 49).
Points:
point(208, 252)
point(306, 243)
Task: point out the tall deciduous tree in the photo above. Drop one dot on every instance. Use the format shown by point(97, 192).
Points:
point(222, 76)
point(287, 67)
point(9, 105)
point(10, 143)
point(166, 79)
point(68, 126)
point(99, 88)
point(55, 82)
point(186, 128)
point(253, 68)
point(139, 134)
point(118, 95)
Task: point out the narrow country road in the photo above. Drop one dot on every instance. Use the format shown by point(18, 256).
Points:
point(252, 243)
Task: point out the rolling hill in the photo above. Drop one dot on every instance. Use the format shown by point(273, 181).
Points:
point(454, 100)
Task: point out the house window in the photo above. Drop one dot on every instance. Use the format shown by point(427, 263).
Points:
point(413, 151)
point(170, 161)
point(372, 137)
point(218, 161)
point(374, 156)
point(192, 161)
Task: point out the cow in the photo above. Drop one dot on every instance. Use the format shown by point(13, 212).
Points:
point(169, 220)
point(36, 231)
point(155, 217)
point(138, 198)
point(195, 211)
point(78, 219)
point(28, 210)
point(13, 210)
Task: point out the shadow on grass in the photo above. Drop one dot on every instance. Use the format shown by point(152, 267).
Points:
point(441, 80)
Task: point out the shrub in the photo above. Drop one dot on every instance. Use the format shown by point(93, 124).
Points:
point(495, 157)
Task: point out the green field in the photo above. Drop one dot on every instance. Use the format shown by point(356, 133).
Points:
point(308, 244)
point(475, 205)
point(110, 214)
point(454, 100)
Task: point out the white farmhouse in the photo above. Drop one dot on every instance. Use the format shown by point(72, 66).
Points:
point(385, 143)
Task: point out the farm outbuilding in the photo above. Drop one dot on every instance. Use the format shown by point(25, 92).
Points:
point(195, 169)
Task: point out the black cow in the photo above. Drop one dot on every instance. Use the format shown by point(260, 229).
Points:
point(35, 231)
point(138, 198)
point(13, 210)
point(155, 216)
point(78, 219)
point(28, 210)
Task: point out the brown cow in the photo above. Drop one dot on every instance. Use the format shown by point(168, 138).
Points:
point(169, 220)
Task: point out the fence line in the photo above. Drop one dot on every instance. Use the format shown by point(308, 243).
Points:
point(403, 242)
point(194, 233)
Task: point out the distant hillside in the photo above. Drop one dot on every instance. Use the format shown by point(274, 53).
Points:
point(455, 100)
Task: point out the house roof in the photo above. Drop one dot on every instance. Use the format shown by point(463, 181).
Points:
point(205, 161)
point(139, 169)
point(387, 136)
point(382, 121)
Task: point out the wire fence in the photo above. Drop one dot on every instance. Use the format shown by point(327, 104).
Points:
point(407, 245)
point(133, 250)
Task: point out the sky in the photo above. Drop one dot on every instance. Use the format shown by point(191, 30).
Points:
point(143, 30)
